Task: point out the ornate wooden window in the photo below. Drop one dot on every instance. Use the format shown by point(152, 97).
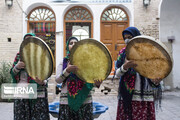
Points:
point(42, 14)
point(42, 22)
point(78, 13)
point(114, 14)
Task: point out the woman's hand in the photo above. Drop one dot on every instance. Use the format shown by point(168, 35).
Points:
point(71, 68)
point(129, 64)
point(97, 83)
point(40, 82)
point(20, 65)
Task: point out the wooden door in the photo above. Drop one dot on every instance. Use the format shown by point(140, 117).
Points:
point(111, 36)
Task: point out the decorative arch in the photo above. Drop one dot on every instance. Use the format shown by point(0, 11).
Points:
point(114, 14)
point(41, 14)
point(78, 13)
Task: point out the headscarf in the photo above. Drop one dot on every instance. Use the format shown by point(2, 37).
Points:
point(132, 31)
point(67, 46)
point(78, 90)
point(28, 34)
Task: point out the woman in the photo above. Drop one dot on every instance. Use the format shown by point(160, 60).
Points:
point(136, 99)
point(75, 98)
point(29, 109)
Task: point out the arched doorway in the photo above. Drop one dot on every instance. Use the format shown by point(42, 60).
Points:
point(42, 22)
point(78, 22)
point(113, 21)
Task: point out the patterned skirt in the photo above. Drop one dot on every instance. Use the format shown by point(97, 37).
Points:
point(34, 109)
point(84, 113)
point(141, 110)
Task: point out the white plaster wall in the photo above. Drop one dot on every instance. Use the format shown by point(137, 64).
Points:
point(60, 10)
point(170, 25)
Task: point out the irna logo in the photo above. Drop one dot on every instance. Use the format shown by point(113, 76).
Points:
point(19, 91)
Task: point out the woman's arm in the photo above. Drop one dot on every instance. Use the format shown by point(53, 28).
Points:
point(16, 69)
point(61, 75)
point(124, 68)
point(120, 71)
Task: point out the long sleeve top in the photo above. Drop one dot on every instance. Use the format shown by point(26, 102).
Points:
point(24, 79)
point(61, 76)
point(148, 89)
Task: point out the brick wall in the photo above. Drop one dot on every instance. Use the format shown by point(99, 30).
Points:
point(10, 27)
point(146, 19)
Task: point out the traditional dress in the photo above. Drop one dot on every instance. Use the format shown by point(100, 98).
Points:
point(75, 97)
point(136, 93)
point(29, 109)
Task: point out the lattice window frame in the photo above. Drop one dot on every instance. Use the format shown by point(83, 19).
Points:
point(114, 14)
point(78, 13)
point(49, 15)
